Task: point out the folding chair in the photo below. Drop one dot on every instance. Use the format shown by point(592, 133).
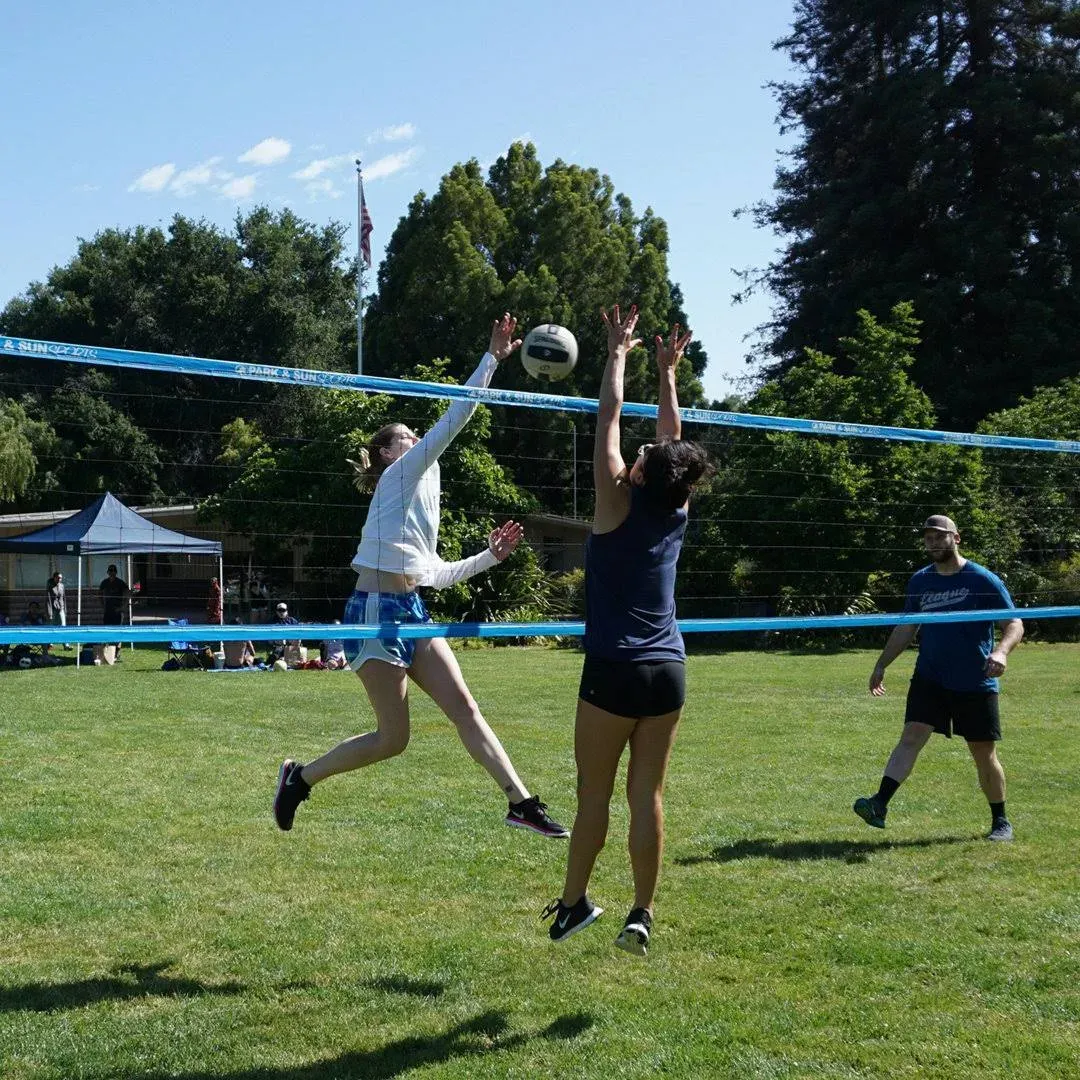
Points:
point(178, 649)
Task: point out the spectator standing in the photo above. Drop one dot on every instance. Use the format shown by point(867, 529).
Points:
point(114, 591)
point(56, 601)
point(213, 602)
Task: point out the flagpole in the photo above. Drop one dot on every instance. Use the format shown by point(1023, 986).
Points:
point(359, 270)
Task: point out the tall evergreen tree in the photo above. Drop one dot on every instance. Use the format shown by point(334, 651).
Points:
point(938, 162)
point(550, 245)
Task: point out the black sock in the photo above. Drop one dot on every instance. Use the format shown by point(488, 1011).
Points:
point(997, 811)
point(886, 791)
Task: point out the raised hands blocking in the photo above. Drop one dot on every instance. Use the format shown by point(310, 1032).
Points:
point(620, 332)
point(670, 352)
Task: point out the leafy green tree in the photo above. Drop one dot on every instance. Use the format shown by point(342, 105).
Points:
point(550, 245)
point(824, 525)
point(937, 161)
point(85, 446)
point(18, 463)
point(1038, 497)
point(275, 290)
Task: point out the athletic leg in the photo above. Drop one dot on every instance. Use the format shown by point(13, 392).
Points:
point(650, 751)
point(991, 774)
point(902, 760)
point(387, 687)
point(436, 671)
point(599, 739)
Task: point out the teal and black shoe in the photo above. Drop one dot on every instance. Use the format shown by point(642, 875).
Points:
point(871, 811)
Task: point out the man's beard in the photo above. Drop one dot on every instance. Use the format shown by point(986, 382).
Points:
point(941, 556)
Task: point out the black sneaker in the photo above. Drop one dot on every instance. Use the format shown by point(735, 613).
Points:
point(291, 792)
point(532, 814)
point(871, 811)
point(569, 920)
point(634, 936)
point(1000, 831)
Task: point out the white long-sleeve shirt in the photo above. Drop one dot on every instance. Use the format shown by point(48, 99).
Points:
point(402, 527)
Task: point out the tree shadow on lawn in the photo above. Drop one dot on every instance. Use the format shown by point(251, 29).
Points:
point(130, 981)
point(484, 1034)
point(849, 851)
point(406, 984)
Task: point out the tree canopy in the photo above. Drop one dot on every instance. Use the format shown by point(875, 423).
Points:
point(549, 245)
point(938, 162)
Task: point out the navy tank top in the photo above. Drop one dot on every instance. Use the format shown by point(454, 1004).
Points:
point(630, 586)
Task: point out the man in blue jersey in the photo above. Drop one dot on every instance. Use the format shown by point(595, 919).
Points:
point(955, 684)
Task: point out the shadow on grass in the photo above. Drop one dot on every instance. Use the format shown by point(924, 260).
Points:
point(130, 981)
point(849, 851)
point(487, 1033)
point(405, 984)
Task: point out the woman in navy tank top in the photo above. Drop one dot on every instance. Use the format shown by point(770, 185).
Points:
point(633, 680)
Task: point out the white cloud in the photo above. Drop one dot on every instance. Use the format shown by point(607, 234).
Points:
point(322, 188)
point(395, 133)
point(268, 152)
point(392, 163)
point(187, 180)
point(321, 165)
point(154, 179)
point(239, 187)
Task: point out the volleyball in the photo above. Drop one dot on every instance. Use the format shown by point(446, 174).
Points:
point(549, 352)
point(280, 665)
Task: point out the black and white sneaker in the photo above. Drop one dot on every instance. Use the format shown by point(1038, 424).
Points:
point(569, 920)
point(291, 792)
point(1000, 831)
point(634, 936)
point(532, 814)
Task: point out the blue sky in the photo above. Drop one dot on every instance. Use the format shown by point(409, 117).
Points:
point(124, 114)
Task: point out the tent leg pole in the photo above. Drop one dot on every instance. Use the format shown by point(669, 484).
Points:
point(78, 617)
point(131, 644)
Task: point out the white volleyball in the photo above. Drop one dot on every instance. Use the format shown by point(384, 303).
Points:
point(549, 352)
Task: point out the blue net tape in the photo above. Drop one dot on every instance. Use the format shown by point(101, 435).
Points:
point(37, 635)
point(101, 356)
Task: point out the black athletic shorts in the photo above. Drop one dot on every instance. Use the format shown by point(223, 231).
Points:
point(633, 688)
point(973, 715)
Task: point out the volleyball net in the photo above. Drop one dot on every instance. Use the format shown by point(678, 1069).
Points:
point(809, 525)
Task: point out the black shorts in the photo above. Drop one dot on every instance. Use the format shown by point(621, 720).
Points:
point(633, 688)
point(973, 715)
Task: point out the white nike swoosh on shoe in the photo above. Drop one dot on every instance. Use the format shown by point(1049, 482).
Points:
point(563, 921)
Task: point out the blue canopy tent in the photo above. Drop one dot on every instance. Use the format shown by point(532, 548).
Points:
point(108, 527)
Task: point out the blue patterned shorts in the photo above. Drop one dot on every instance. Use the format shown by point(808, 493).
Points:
point(379, 609)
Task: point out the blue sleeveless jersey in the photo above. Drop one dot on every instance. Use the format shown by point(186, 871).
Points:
point(630, 586)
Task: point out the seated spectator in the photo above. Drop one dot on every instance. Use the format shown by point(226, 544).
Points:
point(34, 616)
point(283, 618)
point(239, 654)
point(332, 651)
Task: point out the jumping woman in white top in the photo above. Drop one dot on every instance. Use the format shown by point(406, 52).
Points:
point(397, 553)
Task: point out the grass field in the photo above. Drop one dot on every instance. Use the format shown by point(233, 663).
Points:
point(154, 922)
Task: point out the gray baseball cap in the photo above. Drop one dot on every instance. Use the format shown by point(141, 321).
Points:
point(940, 523)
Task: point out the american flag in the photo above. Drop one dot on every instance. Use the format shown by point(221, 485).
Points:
point(365, 229)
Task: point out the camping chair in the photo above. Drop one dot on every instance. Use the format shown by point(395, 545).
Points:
point(179, 650)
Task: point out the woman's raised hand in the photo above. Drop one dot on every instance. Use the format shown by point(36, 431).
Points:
point(503, 540)
point(620, 332)
point(503, 342)
point(670, 352)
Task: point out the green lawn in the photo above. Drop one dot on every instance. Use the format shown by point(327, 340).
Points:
point(154, 922)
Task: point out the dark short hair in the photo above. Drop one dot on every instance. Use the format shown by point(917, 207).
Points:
point(671, 469)
point(111, 569)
